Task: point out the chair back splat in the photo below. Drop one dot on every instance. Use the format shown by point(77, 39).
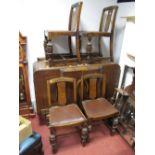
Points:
point(61, 91)
point(92, 86)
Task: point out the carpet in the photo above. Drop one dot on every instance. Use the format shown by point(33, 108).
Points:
point(101, 142)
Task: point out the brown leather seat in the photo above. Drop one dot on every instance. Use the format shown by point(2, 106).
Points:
point(99, 109)
point(61, 116)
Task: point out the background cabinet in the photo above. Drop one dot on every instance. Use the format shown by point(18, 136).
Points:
point(25, 108)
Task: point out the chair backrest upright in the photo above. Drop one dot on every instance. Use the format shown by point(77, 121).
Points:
point(61, 91)
point(92, 86)
point(74, 18)
point(74, 22)
point(107, 25)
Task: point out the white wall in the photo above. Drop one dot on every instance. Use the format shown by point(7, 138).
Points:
point(37, 16)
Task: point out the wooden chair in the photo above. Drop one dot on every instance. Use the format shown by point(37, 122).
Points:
point(73, 30)
point(64, 111)
point(106, 29)
point(91, 90)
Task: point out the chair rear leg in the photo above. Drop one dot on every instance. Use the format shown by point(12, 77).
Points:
point(89, 126)
point(53, 141)
point(114, 125)
point(84, 135)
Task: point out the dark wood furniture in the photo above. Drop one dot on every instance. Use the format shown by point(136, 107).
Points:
point(106, 29)
point(73, 30)
point(25, 108)
point(92, 90)
point(125, 102)
point(63, 111)
point(42, 72)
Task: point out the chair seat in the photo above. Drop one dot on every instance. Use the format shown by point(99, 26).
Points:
point(99, 108)
point(60, 116)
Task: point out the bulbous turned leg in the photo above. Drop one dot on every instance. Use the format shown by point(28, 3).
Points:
point(84, 136)
point(114, 125)
point(53, 142)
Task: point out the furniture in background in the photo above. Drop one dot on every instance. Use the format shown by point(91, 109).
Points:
point(106, 29)
point(25, 107)
point(32, 145)
point(125, 102)
point(125, 93)
point(73, 31)
point(91, 91)
point(63, 109)
point(128, 52)
point(42, 72)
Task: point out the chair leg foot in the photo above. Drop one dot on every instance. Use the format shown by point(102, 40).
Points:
point(114, 126)
point(53, 143)
point(84, 136)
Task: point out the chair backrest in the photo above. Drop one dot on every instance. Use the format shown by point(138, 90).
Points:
point(74, 18)
point(108, 17)
point(107, 23)
point(61, 91)
point(92, 86)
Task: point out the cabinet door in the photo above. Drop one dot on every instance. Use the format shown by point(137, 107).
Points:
point(24, 94)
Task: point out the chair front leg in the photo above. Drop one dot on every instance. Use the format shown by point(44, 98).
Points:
point(53, 140)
